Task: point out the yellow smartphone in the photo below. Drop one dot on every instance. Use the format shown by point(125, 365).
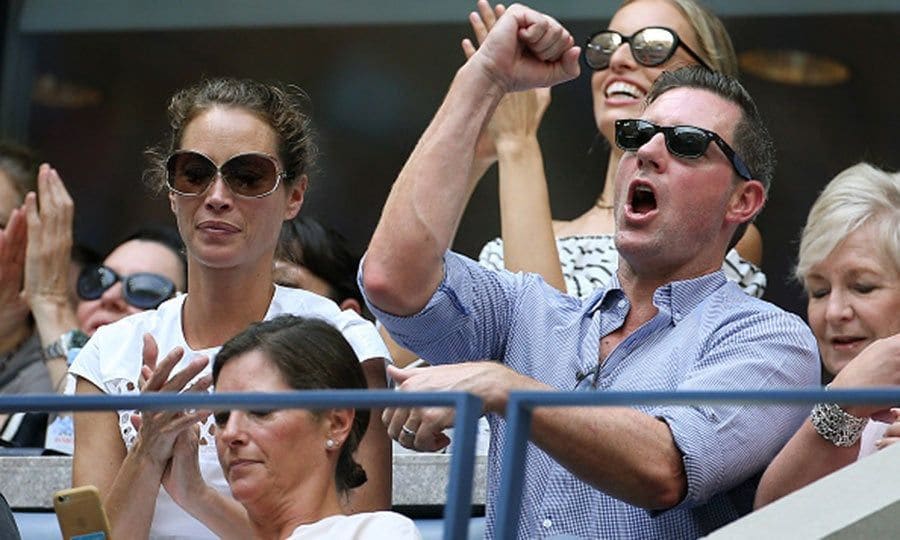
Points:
point(80, 514)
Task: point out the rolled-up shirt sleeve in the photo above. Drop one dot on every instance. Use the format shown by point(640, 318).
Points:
point(724, 444)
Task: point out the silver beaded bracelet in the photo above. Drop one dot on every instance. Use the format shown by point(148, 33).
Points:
point(836, 425)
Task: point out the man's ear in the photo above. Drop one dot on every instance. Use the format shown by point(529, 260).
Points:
point(295, 195)
point(351, 303)
point(746, 201)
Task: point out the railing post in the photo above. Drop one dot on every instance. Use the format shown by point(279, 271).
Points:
point(458, 508)
point(512, 477)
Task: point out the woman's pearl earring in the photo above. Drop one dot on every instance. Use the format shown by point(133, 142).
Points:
point(330, 444)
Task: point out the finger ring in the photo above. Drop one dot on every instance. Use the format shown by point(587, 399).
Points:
point(407, 431)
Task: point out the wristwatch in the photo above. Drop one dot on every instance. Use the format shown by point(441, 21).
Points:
point(60, 348)
point(836, 425)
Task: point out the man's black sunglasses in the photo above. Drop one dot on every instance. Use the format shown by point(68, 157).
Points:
point(683, 141)
point(143, 290)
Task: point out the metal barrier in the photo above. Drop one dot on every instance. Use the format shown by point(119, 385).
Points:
point(468, 409)
point(521, 404)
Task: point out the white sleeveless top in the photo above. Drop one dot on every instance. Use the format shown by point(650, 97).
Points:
point(589, 261)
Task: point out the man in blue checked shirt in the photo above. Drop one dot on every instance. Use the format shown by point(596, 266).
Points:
point(668, 321)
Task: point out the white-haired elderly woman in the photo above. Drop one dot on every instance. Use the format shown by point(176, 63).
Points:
point(849, 264)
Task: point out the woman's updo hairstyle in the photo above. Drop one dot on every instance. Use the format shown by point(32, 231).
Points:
point(310, 354)
point(282, 107)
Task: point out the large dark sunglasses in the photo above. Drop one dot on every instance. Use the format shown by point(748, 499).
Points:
point(683, 141)
point(143, 290)
point(649, 46)
point(251, 175)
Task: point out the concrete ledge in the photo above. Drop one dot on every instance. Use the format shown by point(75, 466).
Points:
point(419, 479)
point(29, 482)
point(861, 500)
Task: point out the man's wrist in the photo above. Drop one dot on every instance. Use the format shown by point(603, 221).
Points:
point(476, 73)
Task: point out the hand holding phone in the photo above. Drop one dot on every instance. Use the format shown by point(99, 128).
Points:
point(80, 514)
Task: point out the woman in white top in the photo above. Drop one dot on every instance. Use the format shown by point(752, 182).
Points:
point(289, 468)
point(235, 167)
point(849, 264)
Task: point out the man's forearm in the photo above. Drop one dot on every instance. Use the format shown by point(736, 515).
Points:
point(623, 452)
point(403, 265)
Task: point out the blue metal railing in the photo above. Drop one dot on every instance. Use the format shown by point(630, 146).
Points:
point(468, 409)
point(462, 462)
point(521, 405)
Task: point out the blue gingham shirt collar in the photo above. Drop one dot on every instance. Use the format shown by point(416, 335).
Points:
point(677, 298)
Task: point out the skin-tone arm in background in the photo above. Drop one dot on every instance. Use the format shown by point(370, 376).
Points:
point(510, 138)
point(49, 215)
point(750, 246)
point(374, 452)
point(807, 456)
point(626, 453)
point(14, 326)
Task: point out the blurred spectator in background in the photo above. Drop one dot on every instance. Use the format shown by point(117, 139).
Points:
point(39, 327)
point(35, 245)
point(140, 273)
point(317, 258)
point(143, 271)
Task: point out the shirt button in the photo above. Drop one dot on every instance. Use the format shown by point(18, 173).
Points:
point(547, 523)
point(677, 316)
point(621, 303)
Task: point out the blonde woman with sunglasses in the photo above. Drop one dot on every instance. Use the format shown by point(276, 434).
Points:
point(644, 38)
point(235, 166)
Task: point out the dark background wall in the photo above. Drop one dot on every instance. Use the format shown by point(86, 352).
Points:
point(374, 88)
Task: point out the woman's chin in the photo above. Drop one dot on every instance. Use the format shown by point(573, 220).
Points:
point(246, 491)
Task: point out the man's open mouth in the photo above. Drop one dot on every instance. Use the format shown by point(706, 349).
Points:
point(643, 200)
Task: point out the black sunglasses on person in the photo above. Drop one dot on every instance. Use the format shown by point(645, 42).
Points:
point(651, 46)
point(142, 290)
point(251, 175)
point(688, 142)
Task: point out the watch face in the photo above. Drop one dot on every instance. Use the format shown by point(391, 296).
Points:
point(77, 339)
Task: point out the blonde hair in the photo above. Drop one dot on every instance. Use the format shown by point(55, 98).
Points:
point(861, 195)
point(715, 43)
